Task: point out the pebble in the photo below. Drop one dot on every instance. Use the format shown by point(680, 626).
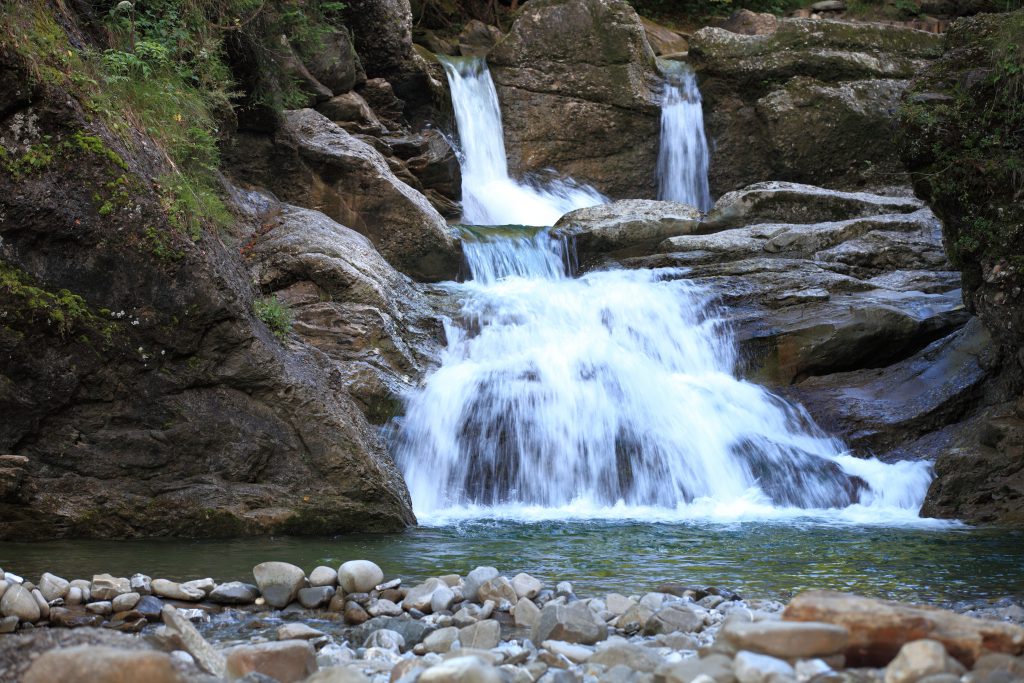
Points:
point(298, 631)
point(141, 584)
point(526, 613)
point(107, 587)
point(750, 667)
point(461, 670)
point(482, 635)
point(102, 607)
point(499, 589)
point(385, 639)
point(316, 597)
point(19, 602)
point(920, 658)
point(473, 581)
point(123, 603)
point(278, 582)
point(53, 587)
point(442, 640)
point(285, 661)
point(323, 576)
point(573, 623)
point(176, 591)
point(526, 586)
point(8, 624)
point(359, 576)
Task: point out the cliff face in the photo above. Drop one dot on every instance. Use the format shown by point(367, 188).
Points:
point(139, 389)
point(963, 142)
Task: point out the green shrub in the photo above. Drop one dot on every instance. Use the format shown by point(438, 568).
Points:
point(275, 315)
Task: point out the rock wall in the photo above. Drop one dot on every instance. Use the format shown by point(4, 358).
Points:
point(141, 394)
point(580, 94)
point(807, 101)
point(963, 142)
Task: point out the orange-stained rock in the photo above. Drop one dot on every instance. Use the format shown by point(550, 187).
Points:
point(879, 628)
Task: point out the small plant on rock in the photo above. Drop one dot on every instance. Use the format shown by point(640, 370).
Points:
point(276, 315)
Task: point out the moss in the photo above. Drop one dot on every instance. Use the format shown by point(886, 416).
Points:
point(65, 311)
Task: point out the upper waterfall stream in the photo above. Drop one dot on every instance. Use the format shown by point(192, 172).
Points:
point(683, 149)
point(608, 395)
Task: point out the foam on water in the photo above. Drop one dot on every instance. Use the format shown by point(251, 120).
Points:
point(490, 196)
point(613, 396)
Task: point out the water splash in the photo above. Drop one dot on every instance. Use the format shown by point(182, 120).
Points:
point(683, 154)
point(613, 395)
point(489, 195)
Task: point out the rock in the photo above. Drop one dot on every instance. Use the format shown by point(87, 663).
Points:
point(442, 599)
point(634, 657)
point(73, 618)
point(234, 593)
point(576, 654)
point(829, 6)
point(412, 630)
point(287, 661)
point(749, 23)
point(74, 596)
point(205, 585)
point(125, 602)
point(107, 587)
point(98, 664)
point(149, 607)
point(461, 670)
point(441, 640)
point(715, 667)
point(44, 608)
point(101, 607)
point(879, 628)
point(921, 658)
point(279, 582)
point(206, 657)
point(18, 602)
point(8, 624)
point(496, 590)
point(356, 576)
point(338, 674)
point(591, 60)
point(626, 227)
point(526, 586)
point(176, 591)
point(386, 639)
point(383, 34)
point(785, 639)
point(526, 613)
point(351, 182)
point(354, 613)
point(475, 579)
point(383, 608)
point(335, 63)
point(421, 597)
point(483, 635)
point(635, 618)
point(323, 576)
point(750, 667)
point(675, 617)
point(141, 584)
point(351, 112)
point(573, 623)
point(618, 604)
point(477, 38)
point(785, 202)
point(53, 587)
point(298, 631)
point(315, 598)
point(663, 40)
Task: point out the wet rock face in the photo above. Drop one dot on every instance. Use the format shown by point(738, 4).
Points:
point(579, 93)
point(810, 101)
point(160, 404)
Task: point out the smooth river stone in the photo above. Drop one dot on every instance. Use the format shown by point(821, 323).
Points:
point(235, 593)
point(497, 589)
point(53, 587)
point(18, 602)
point(526, 613)
point(101, 664)
point(750, 667)
point(526, 586)
point(573, 623)
point(421, 597)
point(684, 618)
point(107, 587)
point(787, 639)
point(323, 576)
point(461, 670)
point(176, 591)
point(359, 576)
point(471, 584)
point(921, 658)
point(279, 582)
point(287, 661)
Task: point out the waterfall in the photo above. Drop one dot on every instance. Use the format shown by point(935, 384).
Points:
point(489, 195)
point(683, 152)
point(613, 394)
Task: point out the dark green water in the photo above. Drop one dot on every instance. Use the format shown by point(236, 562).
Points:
point(757, 559)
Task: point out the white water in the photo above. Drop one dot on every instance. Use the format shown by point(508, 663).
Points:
point(489, 195)
point(613, 396)
point(683, 153)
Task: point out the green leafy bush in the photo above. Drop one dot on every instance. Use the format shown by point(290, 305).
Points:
point(275, 315)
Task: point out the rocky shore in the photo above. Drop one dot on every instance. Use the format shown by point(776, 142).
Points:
point(353, 623)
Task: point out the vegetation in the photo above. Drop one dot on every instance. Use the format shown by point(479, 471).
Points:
point(967, 145)
point(276, 315)
point(65, 311)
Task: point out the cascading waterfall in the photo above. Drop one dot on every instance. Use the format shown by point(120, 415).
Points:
point(608, 395)
point(489, 195)
point(683, 152)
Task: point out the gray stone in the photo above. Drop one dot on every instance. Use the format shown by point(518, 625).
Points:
point(165, 588)
point(442, 599)
point(441, 640)
point(482, 635)
point(150, 607)
point(383, 608)
point(497, 589)
point(359, 576)
point(206, 657)
point(314, 598)
point(635, 657)
point(473, 581)
point(717, 667)
point(421, 597)
point(9, 624)
point(635, 618)
point(279, 582)
point(205, 585)
point(323, 576)
point(141, 584)
point(921, 658)
point(573, 623)
point(618, 604)
point(44, 607)
point(53, 587)
point(787, 639)
point(107, 587)
point(750, 667)
point(386, 639)
point(287, 661)
point(18, 602)
point(101, 607)
point(74, 596)
point(99, 664)
point(234, 593)
point(676, 617)
point(526, 586)
point(125, 602)
point(577, 654)
point(526, 613)
point(461, 670)
point(298, 631)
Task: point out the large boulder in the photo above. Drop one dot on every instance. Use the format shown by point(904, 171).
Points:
point(578, 87)
point(314, 163)
point(811, 101)
point(383, 34)
point(137, 379)
point(962, 144)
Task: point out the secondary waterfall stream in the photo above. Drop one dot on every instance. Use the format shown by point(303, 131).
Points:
point(608, 395)
point(683, 150)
